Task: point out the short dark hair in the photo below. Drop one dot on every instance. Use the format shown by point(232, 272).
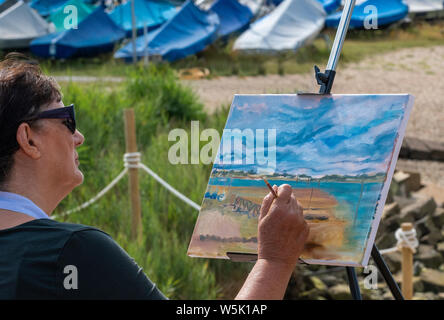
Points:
point(24, 89)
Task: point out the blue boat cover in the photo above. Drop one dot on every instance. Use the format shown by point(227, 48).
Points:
point(233, 16)
point(148, 12)
point(46, 7)
point(186, 33)
point(330, 5)
point(96, 34)
point(388, 11)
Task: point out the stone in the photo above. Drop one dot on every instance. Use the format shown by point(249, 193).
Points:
point(432, 190)
point(393, 261)
point(426, 226)
point(312, 294)
point(390, 198)
point(419, 209)
point(418, 149)
point(318, 284)
point(426, 231)
point(433, 280)
point(386, 240)
point(413, 183)
point(438, 217)
point(390, 210)
point(387, 295)
point(400, 178)
point(429, 256)
point(330, 280)
point(440, 247)
point(418, 266)
point(407, 214)
point(418, 285)
point(340, 292)
point(436, 149)
point(432, 238)
point(424, 296)
point(405, 150)
point(403, 201)
point(391, 224)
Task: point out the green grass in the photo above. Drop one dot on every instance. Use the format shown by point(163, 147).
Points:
point(222, 61)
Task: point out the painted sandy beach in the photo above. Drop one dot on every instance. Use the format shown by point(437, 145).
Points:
point(229, 215)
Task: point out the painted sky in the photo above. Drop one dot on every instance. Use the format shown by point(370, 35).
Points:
point(317, 136)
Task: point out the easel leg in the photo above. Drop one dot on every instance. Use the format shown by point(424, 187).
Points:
point(382, 267)
point(353, 283)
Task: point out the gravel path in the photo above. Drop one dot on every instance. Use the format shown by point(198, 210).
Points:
point(417, 71)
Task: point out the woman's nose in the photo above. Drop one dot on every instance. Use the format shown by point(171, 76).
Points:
point(79, 138)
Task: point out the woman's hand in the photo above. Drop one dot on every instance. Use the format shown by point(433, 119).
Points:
point(282, 229)
point(281, 238)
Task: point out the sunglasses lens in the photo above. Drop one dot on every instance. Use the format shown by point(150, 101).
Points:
point(70, 125)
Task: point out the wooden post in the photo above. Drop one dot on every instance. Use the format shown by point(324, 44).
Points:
point(133, 173)
point(407, 267)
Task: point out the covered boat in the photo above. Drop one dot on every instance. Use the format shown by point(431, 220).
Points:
point(59, 16)
point(189, 31)
point(330, 5)
point(19, 35)
point(290, 26)
point(46, 7)
point(96, 34)
point(425, 8)
point(388, 12)
point(233, 16)
point(149, 13)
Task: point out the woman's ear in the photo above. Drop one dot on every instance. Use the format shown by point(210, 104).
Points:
point(26, 139)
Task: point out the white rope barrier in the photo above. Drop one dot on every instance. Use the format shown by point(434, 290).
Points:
point(132, 161)
point(169, 187)
point(98, 196)
point(405, 239)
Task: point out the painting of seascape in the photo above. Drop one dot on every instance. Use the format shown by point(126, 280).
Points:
point(337, 152)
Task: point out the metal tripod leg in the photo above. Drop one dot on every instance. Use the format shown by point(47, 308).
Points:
point(382, 267)
point(353, 283)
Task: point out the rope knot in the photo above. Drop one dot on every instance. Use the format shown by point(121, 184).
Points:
point(406, 239)
point(132, 160)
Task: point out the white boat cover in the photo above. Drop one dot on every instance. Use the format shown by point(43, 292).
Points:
point(424, 6)
point(19, 24)
point(288, 27)
point(253, 5)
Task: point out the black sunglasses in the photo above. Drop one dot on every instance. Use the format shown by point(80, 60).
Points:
point(66, 113)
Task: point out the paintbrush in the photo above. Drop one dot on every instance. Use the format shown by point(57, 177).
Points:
point(270, 187)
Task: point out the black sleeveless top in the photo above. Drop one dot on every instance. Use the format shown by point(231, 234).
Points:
point(46, 259)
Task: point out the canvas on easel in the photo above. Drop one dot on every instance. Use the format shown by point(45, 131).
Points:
point(337, 152)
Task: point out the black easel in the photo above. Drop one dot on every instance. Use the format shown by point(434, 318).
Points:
point(325, 80)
